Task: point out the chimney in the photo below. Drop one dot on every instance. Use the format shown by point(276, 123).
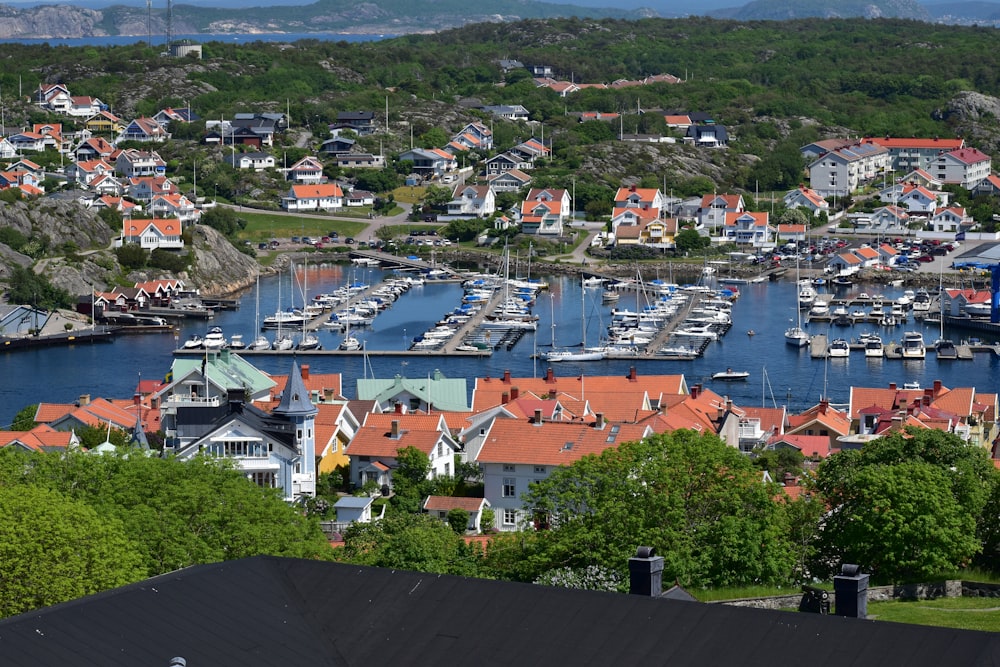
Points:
point(398, 408)
point(327, 394)
point(136, 398)
point(305, 371)
point(84, 400)
point(549, 377)
point(645, 573)
point(695, 390)
point(892, 386)
point(506, 376)
point(850, 590)
point(599, 421)
point(538, 417)
point(394, 430)
point(823, 405)
point(514, 393)
point(937, 387)
point(154, 402)
point(926, 400)
point(631, 373)
point(504, 398)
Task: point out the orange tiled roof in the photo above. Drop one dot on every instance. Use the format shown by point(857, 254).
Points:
point(552, 443)
point(444, 503)
point(378, 441)
point(49, 412)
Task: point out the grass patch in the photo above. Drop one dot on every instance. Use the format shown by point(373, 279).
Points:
point(409, 194)
point(265, 226)
point(961, 613)
point(739, 592)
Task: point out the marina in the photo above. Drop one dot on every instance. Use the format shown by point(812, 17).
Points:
point(796, 376)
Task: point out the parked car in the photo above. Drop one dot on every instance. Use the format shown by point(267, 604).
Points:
point(334, 235)
point(295, 239)
point(349, 241)
point(925, 259)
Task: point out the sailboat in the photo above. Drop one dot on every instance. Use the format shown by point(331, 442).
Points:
point(585, 353)
point(796, 335)
point(260, 342)
point(350, 343)
point(281, 341)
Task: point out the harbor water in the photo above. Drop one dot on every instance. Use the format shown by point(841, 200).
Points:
point(779, 374)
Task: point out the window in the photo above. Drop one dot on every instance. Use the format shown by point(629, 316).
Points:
point(510, 517)
point(508, 467)
point(539, 470)
point(509, 487)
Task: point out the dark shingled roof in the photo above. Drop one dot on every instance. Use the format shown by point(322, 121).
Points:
point(275, 611)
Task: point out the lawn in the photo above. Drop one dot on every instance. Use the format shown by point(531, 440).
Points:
point(265, 226)
point(962, 613)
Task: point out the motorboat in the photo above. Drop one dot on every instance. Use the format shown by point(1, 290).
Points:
point(842, 281)
point(286, 319)
point(838, 348)
point(609, 296)
point(945, 349)
point(796, 336)
point(729, 375)
point(236, 342)
point(921, 301)
point(193, 343)
point(819, 309)
point(978, 309)
point(873, 347)
point(214, 340)
point(913, 345)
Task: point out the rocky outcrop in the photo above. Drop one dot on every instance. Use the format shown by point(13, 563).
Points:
point(219, 268)
point(976, 117)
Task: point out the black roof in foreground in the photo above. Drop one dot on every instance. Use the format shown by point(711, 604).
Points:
point(275, 611)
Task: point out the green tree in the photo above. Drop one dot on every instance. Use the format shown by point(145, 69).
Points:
point(24, 420)
point(458, 520)
point(131, 256)
point(698, 501)
point(93, 436)
point(54, 549)
point(224, 220)
point(905, 506)
point(411, 542)
point(409, 479)
point(688, 240)
point(27, 287)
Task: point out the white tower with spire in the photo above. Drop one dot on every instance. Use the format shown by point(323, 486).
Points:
point(297, 408)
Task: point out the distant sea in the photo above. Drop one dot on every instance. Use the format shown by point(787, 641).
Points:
point(201, 38)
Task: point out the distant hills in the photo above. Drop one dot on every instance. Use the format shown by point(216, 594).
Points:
point(89, 18)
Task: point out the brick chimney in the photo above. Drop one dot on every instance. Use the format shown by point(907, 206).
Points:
point(823, 405)
point(695, 390)
point(645, 573)
point(506, 376)
point(398, 408)
point(892, 386)
point(394, 430)
point(514, 393)
point(504, 398)
point(937, 387)
point(305, 371)
point(84, 400)
point(631, 374)
point(136, 398)
point(549, 376)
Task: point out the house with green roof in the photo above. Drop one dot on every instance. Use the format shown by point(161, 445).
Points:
point(198, 389)
point(432, 392)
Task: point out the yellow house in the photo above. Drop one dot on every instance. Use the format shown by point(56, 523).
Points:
point(104, 122)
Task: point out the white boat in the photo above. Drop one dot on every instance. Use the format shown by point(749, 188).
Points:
point(922, 301)
point(260, 343)
point(729, 375)
point(214, 340)
point(284, 342)
point(873, 347)
point(610, 297)
point(978, 309)
point(572, 355)
point(193, 343)
point(309, 341)
point(349, 343)
point(913, 345)
point(819, 309)
point(593, 281)
point(796, 335)
point(839, 347)
point(236, 342)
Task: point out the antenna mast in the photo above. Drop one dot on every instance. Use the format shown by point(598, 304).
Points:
point(149, 22)
point(170, 23)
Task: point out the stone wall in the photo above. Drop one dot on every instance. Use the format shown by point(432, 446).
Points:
point(926, 591)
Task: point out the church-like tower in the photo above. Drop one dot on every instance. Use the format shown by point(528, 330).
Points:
point(298, 409)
